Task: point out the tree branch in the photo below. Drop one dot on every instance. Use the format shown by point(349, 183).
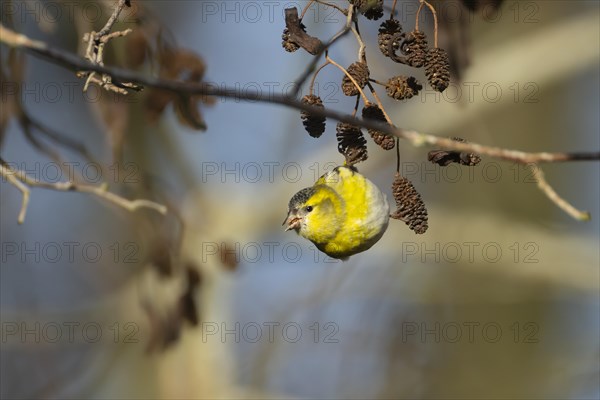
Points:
point(74, 62)
point(545, 187)
point(23, 182)
point(10, 177)
point(95, 52)
point(313, 64)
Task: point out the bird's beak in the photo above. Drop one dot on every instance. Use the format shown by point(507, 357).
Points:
point(292, 221)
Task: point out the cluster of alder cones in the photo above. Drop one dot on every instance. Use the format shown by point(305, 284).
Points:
point(408, 48)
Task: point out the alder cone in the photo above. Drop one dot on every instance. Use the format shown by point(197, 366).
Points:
point(351, 143)
point(373, 112)
point(360, 72)
point(409, 205)
point(314, 125)
point(437, 69)
point(415, 48)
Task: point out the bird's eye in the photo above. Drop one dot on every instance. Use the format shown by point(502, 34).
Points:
point(309, 208)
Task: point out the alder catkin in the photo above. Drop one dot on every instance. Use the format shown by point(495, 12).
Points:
point(314, 125)
point(351, 143)
point(360, 72)
point(437, 69)
point(409, 205)
point(373, 112)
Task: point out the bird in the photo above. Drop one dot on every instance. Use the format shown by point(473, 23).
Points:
point(342, 214)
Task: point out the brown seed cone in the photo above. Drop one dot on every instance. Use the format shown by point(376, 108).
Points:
point(351, 143)
point(371, 9)
point(288, 45)
point(409, 205)
point(360, 72)
point(314, 125)
point(387, 30)
point(437, 69)
point(401, 87)
point(447, 157)
point(415, 48)
point(373, 112)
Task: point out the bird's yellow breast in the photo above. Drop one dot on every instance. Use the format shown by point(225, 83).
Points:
point(366, 213)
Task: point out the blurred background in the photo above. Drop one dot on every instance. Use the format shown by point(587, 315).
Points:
point(499, 299)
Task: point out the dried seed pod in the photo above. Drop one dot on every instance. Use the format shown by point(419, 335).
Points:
point(360, 72)
point(314, 125)
point(386, 38)
point(288, 45)
point(415, 48)
point(446, 157)
point(437, 69)
point(401, 87)
point(371, 9)
point(351, 143)
point(409, 205)
point(373, 112)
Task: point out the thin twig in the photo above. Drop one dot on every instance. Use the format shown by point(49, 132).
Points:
point(398, 155)
point(361, 49)
point(393, 9)
point(73, 61)
point(380, 104)
point(113, 18)
point(95, 52)
point(306, 9)
point(9, 175)
point(377, 82)
point(417, 16)
point(435, 22)
point(365, 99)
point(312, 81)
point(545, 187)
point(23, 182)
point(311, 66)
point(356, 106)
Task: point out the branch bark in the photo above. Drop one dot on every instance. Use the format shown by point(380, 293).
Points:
point(23, 182)
point(74, 62)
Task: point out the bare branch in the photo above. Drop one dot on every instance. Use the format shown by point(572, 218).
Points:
point(362, 93)
point(95, 53)
point(313, 64)
point(545, 187)
point(435, 21)
point(10, 177)
point(72, 61)
point(113, 18)
point(379, 103)
point(23, 182)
